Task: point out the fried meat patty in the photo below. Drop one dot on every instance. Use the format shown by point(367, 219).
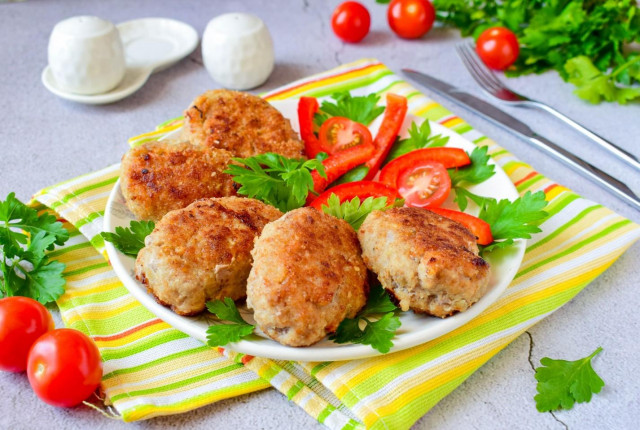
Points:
point(241, 123)
point(202, 252)
point(307, 277)
point(429, 263)
point(158, 177)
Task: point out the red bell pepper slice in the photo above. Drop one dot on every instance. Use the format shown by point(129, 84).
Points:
point(481, 229)
point(361, 189)
point(340, 163)
point(393, 117)
point(448, 157)
point(307, 107)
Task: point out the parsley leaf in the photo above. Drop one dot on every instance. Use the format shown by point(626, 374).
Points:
point(562, 383)
point(25, 237)
point(593, 85)
point(418, 138)
point(276, 180)
point(463, 196)
point(222, 334)
point(377, 333)
point(352, 211)
point(478, 171)
point(130, 240)
point(362, 109)
point(513, 220)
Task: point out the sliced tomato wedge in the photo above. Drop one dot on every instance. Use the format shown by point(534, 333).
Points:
point(340, 163)
point(339, 133)
point(448, 157)
point(424, 185)
point(361, 189)
point(481, 229)
point(307, 107)
point(393, 117)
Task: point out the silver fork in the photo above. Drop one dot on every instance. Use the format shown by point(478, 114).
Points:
point(494, 87)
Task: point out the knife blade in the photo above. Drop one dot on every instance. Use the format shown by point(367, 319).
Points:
point(522, 130)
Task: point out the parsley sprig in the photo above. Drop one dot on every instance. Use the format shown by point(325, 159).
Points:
point(276, 180)
point(353, 211)
point(376, 332)
point(25, 237)
point(561, 383)
point(130, 240)
point(419, 137)
point(478, 171)
point(362, 109)
point(510, 220)
point(222, 334)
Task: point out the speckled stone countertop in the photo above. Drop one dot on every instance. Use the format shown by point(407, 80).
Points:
point(44, 140)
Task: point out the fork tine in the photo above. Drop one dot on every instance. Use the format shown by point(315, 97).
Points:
point(488, 73)
point(473, 69)
point(488, 77)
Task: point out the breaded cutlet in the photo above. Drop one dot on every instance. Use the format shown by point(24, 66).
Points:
point(241, 123)
point(158, 177)
point(202, 252)
point(427, 262)
point(307, 277)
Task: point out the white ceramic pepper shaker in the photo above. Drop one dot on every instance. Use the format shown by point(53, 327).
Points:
point(86, 55)
point(238, 51)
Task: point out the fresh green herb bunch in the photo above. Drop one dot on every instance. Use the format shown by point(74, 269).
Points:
point(585, 41)
point(25, 238)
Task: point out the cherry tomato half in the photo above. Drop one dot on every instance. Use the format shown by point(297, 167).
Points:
point(424, 185)
point(498, 47)
point(480, 228)
point(22, 321)
point(350, 21)
point(410, 19)
point(64, 367)
point(339, 133)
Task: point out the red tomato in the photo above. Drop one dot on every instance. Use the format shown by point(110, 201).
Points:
point(362, 189)
point(64, 367)
point(448, 157)
point(339, 133)
point(350, 21)
point(481, 229)
point(410, 19)
point(498, 47)
point(424, 185)
point(22, 321)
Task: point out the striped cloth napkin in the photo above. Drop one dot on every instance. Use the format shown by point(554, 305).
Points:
point(151, 369)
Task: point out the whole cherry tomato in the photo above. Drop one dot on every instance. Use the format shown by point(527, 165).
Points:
point(411, 19)
point(350, 21)
point(22, 321)
point(64, 367)
point(498, 47)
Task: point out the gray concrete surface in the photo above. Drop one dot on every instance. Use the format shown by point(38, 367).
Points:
point(44, 139)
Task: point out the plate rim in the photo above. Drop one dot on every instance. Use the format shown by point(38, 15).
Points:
point(274, 350)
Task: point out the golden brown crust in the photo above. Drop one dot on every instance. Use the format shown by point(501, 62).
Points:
point(158, 177)
point(429, 263)
point(241, 123)
point(306, 278)
point(202, 252)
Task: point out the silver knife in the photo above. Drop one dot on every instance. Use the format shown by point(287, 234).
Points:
point(521, 129)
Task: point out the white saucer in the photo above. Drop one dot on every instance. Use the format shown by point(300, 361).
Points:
point(150, 44)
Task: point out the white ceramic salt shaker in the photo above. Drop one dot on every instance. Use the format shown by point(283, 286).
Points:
point(238, 51)
point(86, 55)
